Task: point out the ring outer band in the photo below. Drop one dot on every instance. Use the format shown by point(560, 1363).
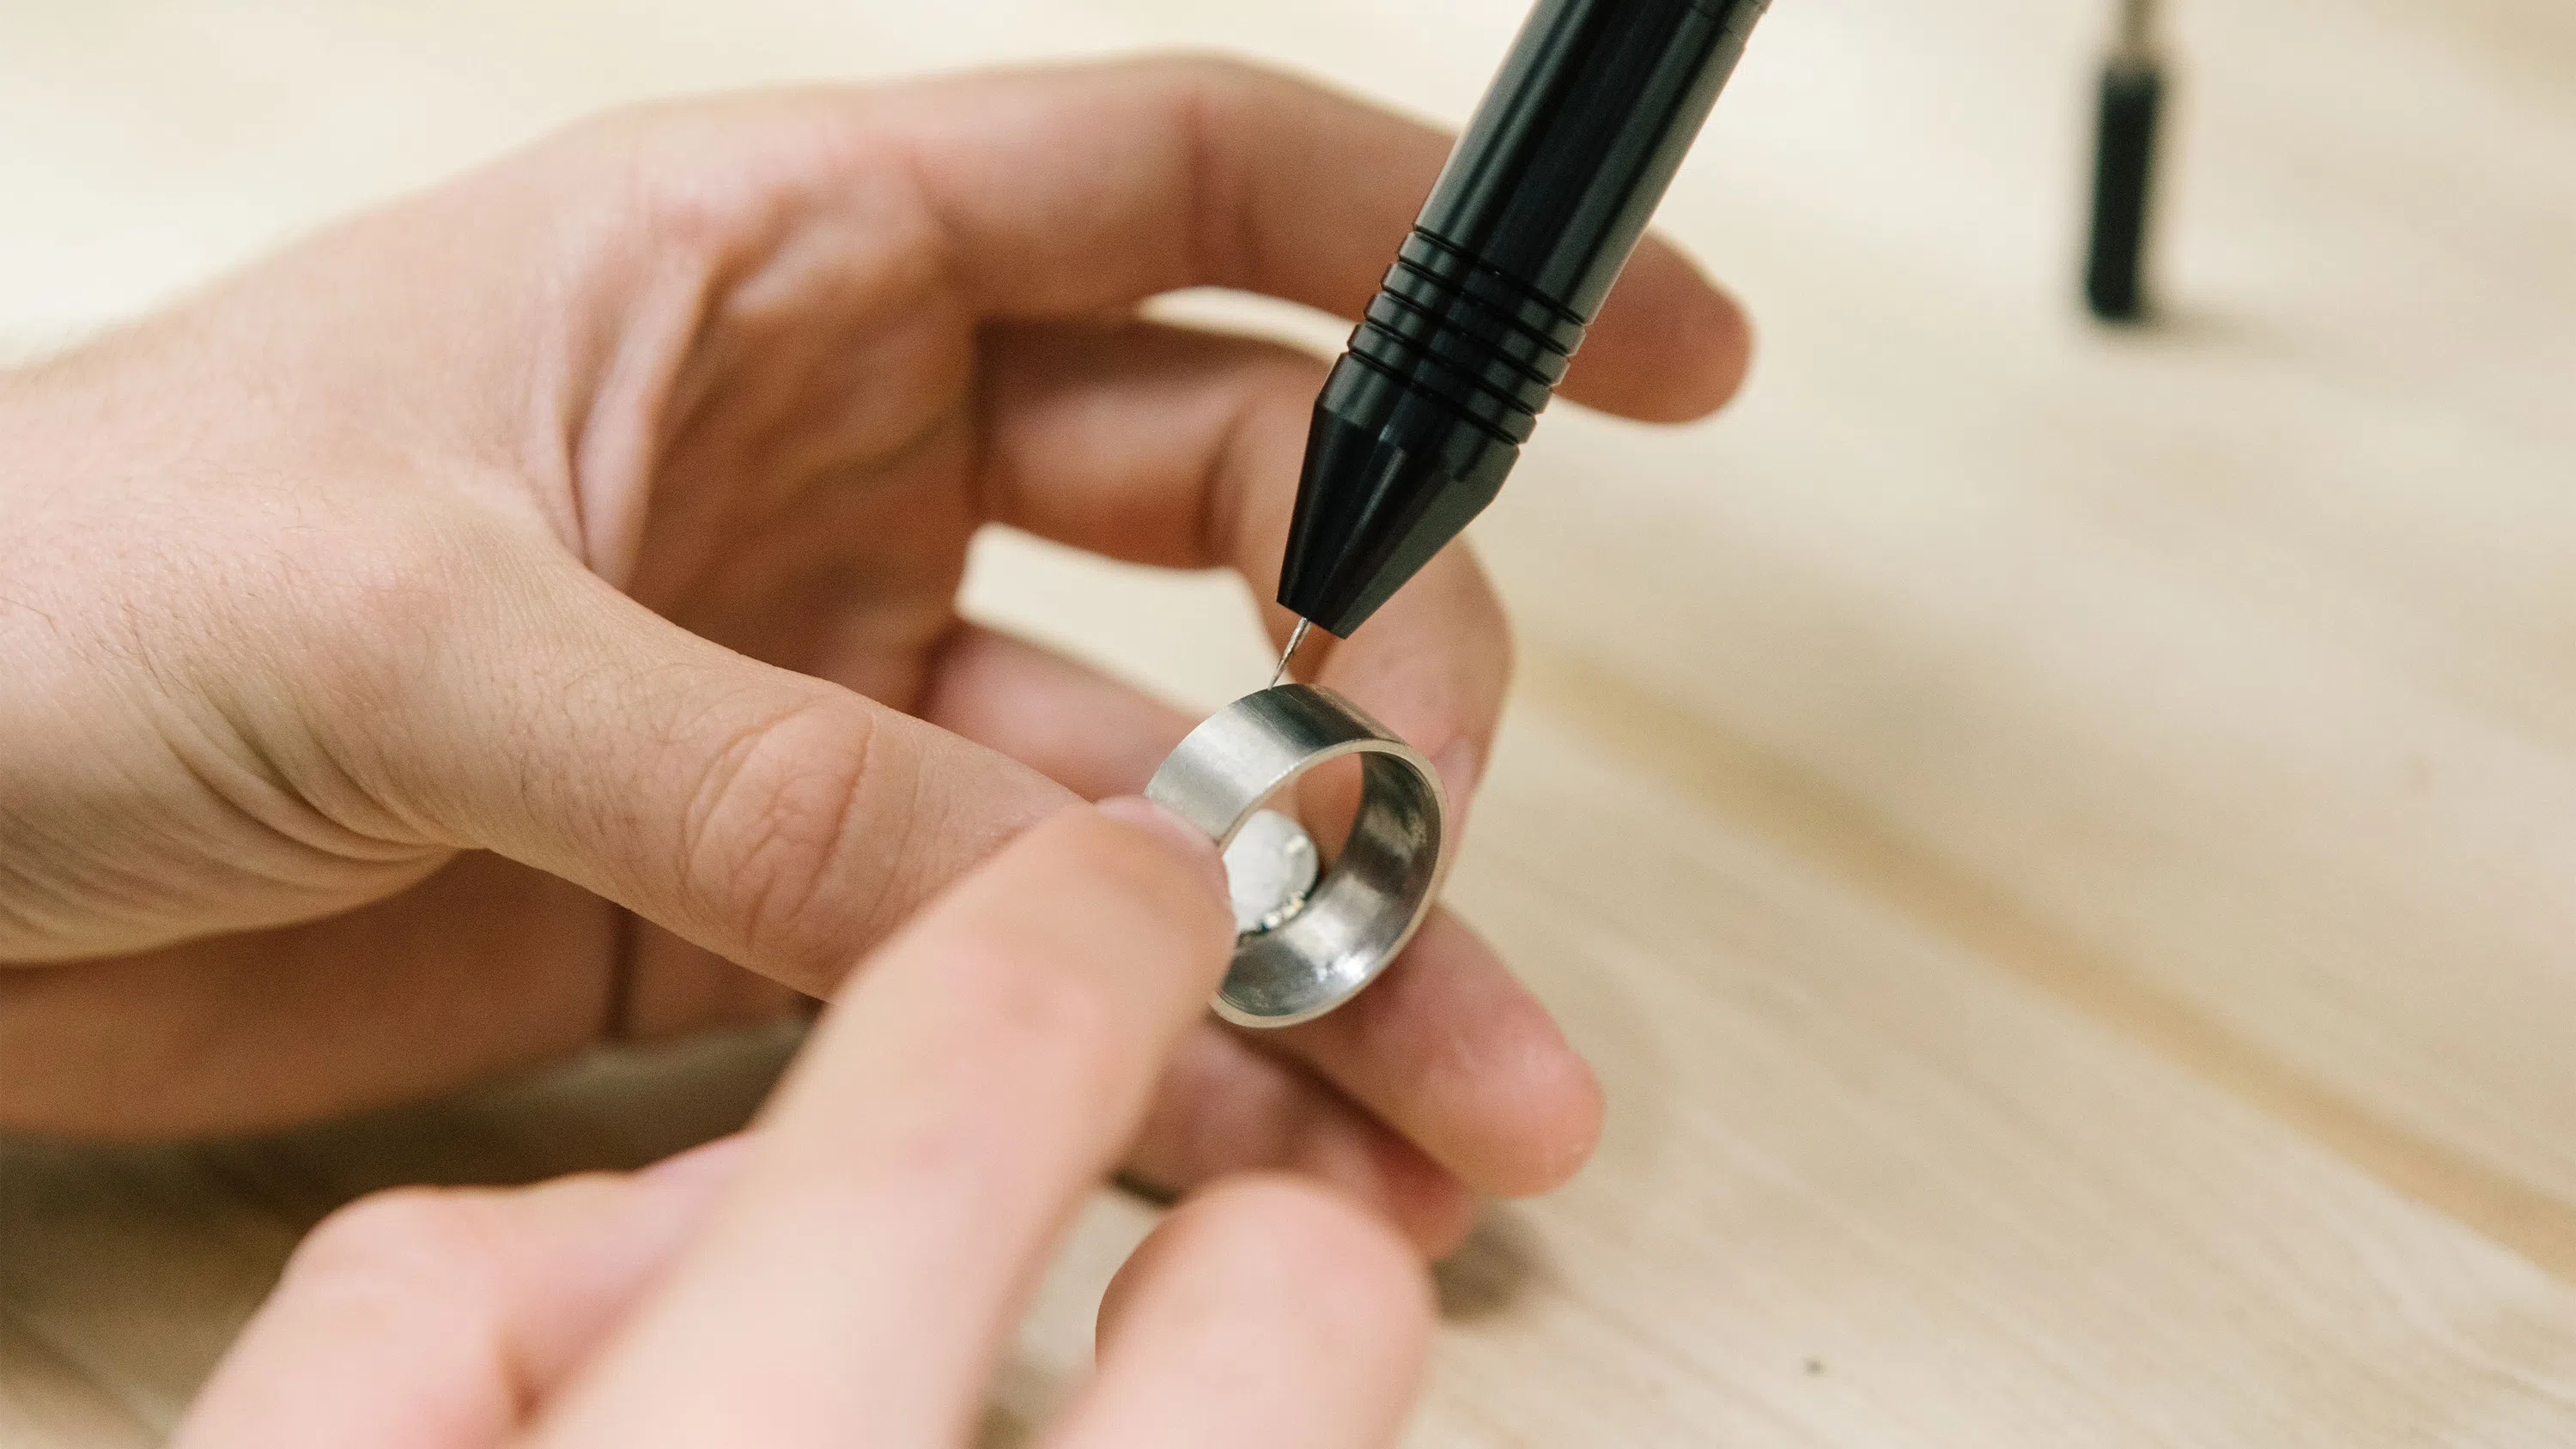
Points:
point(1246, 753)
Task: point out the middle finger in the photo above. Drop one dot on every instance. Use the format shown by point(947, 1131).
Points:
point(1169, 446)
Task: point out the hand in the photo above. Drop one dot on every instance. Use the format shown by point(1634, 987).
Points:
point(384, 626)
point(850, 1271)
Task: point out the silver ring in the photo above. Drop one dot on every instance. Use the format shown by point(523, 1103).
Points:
point(1301, 957)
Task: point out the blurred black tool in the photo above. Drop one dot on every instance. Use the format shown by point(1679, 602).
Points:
point(1527, 227)
point(2124, 164)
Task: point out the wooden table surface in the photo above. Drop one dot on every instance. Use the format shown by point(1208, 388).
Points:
point(2063, 845)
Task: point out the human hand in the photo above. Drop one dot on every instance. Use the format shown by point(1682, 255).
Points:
point(851, 1270)
point(579, 539)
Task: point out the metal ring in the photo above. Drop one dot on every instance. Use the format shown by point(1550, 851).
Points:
point(1374, 897)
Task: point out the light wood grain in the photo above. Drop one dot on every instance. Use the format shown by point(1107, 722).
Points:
point(46, 1400)
point(2235, 656)
point(2063, 845)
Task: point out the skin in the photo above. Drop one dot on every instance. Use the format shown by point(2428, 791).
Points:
point(847, 1274)
point(525, 616)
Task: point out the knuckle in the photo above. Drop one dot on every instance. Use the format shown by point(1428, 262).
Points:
point(400, 1244)
point(784, 825)
point(706, 183)
point(653, 152)
point(384, 618)
point(337, 647)
point(1213, 75)
point(391, 589)
point(691, 212)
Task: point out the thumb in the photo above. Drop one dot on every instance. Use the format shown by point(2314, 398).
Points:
point(776, 819)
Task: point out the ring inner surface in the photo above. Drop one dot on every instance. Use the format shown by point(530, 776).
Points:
point(1271, 870)
point(1357, 915)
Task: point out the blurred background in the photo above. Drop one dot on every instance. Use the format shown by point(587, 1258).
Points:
point(2061, 839)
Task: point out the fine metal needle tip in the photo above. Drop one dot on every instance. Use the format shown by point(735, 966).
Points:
point(1295, 639)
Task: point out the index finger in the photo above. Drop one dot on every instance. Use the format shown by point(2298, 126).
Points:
point(1179, 448)
point(978, 1079)
point(1066, 192)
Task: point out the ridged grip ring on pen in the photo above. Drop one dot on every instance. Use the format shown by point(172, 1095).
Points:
point(1490, 345)
point(1374, 897)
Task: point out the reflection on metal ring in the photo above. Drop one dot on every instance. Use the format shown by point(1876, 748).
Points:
point(1380, 886)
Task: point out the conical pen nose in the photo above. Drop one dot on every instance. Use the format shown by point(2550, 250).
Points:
point(1515, 249)
point(1371, 512)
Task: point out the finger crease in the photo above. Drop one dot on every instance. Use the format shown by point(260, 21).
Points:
point(1220, 506)
point(1198, 187)
point(1223, 239)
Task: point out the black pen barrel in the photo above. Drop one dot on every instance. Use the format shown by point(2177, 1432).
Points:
point(1562, 166)
point(1526, 229)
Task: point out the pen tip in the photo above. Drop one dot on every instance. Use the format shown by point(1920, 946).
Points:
point(1294, 639)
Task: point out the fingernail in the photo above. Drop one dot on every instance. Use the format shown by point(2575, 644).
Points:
point(1192, 842)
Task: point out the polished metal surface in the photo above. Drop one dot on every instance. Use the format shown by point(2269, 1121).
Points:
point(1378, 888)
